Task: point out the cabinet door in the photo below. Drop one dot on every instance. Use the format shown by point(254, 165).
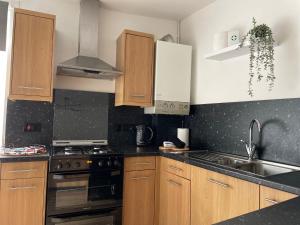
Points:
point(32, 57)
point(216, 197)
point(139, 70)
point(139, 197)
point(22, 201)
point(174, 200)
point(270, 196)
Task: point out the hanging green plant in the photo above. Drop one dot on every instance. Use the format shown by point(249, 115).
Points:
point(261, 55)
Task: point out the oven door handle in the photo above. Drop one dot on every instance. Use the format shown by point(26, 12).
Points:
point(69, 176)
point(77, 188)
point(58, 220)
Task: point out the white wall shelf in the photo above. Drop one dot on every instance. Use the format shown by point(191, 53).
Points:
point(231, 52)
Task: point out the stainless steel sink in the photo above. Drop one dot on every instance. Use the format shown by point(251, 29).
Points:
point(258, 167)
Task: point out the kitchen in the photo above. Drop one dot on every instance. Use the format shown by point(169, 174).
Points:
point(141, 113)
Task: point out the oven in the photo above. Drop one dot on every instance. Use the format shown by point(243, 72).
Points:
point(81, 191)
point(103, 217)
point(85, 191)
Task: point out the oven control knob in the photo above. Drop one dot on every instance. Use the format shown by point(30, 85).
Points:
point(109, 163)
point(59, 166)
point(116, 163)
point(68, 165)
point(100, 163)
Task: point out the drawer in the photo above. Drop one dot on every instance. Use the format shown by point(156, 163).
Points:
point(270, 196)
point(140, 163)
point(175, 167)
point(17, 170)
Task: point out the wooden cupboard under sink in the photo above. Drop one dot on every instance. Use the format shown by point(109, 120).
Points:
point(182, 194)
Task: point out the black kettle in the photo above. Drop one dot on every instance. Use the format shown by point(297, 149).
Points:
point(144, 135)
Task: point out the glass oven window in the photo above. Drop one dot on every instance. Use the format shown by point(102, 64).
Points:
point(69, 191)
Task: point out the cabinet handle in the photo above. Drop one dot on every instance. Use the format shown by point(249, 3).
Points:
point(175, 168)
point(143, 163)
point(22, 188)
point(271, 201)
point(139, 178)
point(174, 182)
point(32, 88)
point(223, 185)
point(138, 96)
point(21, 171)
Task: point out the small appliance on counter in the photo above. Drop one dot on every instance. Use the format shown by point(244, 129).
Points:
point(144, 135)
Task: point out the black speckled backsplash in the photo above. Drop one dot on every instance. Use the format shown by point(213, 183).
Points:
point(21, 112)
point(222, 126)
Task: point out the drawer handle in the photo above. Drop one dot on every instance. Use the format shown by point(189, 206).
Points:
point(223, 185)
point(139, 178)
point(138, 96)
point(22, 188)
point(32, 88)
point(21, 171)
point(271, 201)
point(175, 168)
point(174, 182)
point(143, 163)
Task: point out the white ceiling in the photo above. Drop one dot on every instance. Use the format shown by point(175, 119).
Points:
point(168, 9)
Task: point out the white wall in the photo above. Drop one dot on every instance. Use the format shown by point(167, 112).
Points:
point(111, 25)
point(214, 82)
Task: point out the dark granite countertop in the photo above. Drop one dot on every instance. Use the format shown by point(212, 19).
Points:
point(286, 213)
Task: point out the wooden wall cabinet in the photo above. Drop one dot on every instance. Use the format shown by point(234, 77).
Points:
point(216, 197)
point(32, 56)
point(22, 200)
point(270, 196)
point(139, 191)
point(135, 58)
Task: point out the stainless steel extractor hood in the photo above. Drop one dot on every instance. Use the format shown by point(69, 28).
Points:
point(87, 64)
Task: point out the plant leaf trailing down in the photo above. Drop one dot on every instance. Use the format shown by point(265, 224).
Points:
point(261, 55)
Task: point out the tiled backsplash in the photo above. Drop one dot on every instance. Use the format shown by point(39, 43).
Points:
point(213, 126)
point(222, 126)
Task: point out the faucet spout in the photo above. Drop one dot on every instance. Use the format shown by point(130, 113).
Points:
point(250, 146)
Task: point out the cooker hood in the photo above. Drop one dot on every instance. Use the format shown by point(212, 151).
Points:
point(87, 64)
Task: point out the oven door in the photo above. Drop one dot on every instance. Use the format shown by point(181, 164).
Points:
point(83, 191)
point(105, 217)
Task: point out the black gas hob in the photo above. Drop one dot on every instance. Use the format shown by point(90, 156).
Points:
point(85, 184)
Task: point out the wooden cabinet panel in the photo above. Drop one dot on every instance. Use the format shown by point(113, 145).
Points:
point(175, 167)
point(135, 58)
point(22, 201)
point(22, 170)
point(32, 56)
point(139, 197)
point(270, 196)
point(216, 197)
point(174, 200)
point(140, 163)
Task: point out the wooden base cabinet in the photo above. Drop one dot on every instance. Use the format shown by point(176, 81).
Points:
point(139, 192)
point(216, 197)
point(174, 207)
point(22, 202)
point(23, 193)
point(270, 196)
